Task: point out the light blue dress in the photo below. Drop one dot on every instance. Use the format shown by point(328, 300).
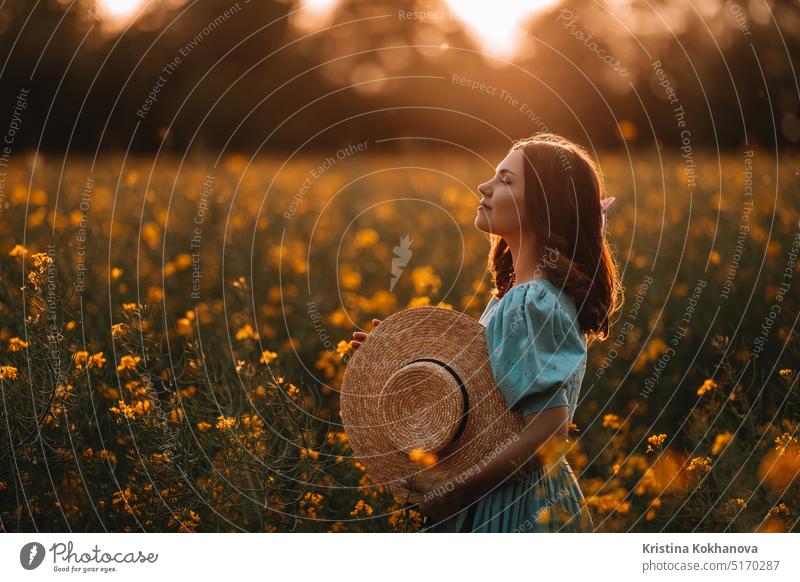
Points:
point(538, 356)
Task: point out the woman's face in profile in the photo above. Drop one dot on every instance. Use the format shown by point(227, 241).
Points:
point(502, 208)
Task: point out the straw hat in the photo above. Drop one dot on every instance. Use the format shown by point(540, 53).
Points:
point(422, 380)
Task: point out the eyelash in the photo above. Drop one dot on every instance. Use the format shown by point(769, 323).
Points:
point(504, 182)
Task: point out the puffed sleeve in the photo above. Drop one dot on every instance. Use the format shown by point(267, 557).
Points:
point(535, 345)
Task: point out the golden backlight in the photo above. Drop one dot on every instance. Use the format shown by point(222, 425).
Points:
point(497, 23)
point(119, 9)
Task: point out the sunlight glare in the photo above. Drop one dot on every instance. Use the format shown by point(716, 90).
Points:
point(497, 24)
point(120, 9)
point(314, 15)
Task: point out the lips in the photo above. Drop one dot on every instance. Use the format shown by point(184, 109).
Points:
point(485, 205)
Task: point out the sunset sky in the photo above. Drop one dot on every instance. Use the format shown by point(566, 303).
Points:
point(495, 24)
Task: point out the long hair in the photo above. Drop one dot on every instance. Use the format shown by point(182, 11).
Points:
point(563, 189)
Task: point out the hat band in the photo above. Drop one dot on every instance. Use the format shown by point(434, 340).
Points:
point(464, 395)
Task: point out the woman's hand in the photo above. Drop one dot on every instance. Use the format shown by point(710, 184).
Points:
point(543, 437)
point(441, 505)
point(439, 502)
point(360, 336)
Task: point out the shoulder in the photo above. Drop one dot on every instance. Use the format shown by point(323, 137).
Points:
point(543, 308)
point(542, 295)
point(536, 346)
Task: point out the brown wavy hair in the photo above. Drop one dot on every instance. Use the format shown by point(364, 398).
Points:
point(563, 189)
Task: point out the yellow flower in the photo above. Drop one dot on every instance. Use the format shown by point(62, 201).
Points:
point(246, 332)
point(611, 421)
point(151, 234)
point(16, 344)
point(310, 503)
point(117, 330)
point(425, 279)
point(707, 385)
point(654, 505)
point(203, 426)
point(543, 515)
point(83, 359)
point(96, 360)
point(351, 279)
point(336, 437)
point(116, 272)
point(225, 422)
point(338, 318)
point(314, 498)
point(784, 441)
point(104, 454)
point(419, 302)
point(41, 260)
point(267, 357)
point(720, 442)
point(780, 508)
point(610, 502)
point(422, 457)
point(128, 363)
point(124, 410)
point(18, 251)
point(184, 326)
point(343, 348)
point(781, 465)
point(80, 359)
point(361, 509)
point(123, 497)
point(155, 294)
point(183, 261)
point(366, 238)
point(8, 373)
point(309, 453)
point(415, 517)
point(700, 463)
point(627, 130)
point(655, 440)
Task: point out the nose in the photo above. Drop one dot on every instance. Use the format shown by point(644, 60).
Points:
point(485, 189)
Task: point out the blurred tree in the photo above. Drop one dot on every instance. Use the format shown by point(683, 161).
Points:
point(221, 73)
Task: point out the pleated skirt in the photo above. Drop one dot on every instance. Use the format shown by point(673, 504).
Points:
point(536, 499)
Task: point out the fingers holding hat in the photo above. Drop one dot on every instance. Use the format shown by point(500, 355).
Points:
point(420, 483)
point(360, 336)
point(438, 501)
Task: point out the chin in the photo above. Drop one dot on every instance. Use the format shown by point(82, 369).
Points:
point(482, 224)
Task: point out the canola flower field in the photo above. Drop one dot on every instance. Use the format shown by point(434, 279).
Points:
point(174, 332)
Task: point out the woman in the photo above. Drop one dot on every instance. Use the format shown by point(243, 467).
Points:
point(555, 288)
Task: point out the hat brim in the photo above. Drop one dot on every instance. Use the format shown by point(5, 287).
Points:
point(435, 333)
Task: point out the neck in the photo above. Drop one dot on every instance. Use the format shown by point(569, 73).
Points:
point(523, 257)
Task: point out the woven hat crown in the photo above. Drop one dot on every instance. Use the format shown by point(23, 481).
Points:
point(421, 381)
